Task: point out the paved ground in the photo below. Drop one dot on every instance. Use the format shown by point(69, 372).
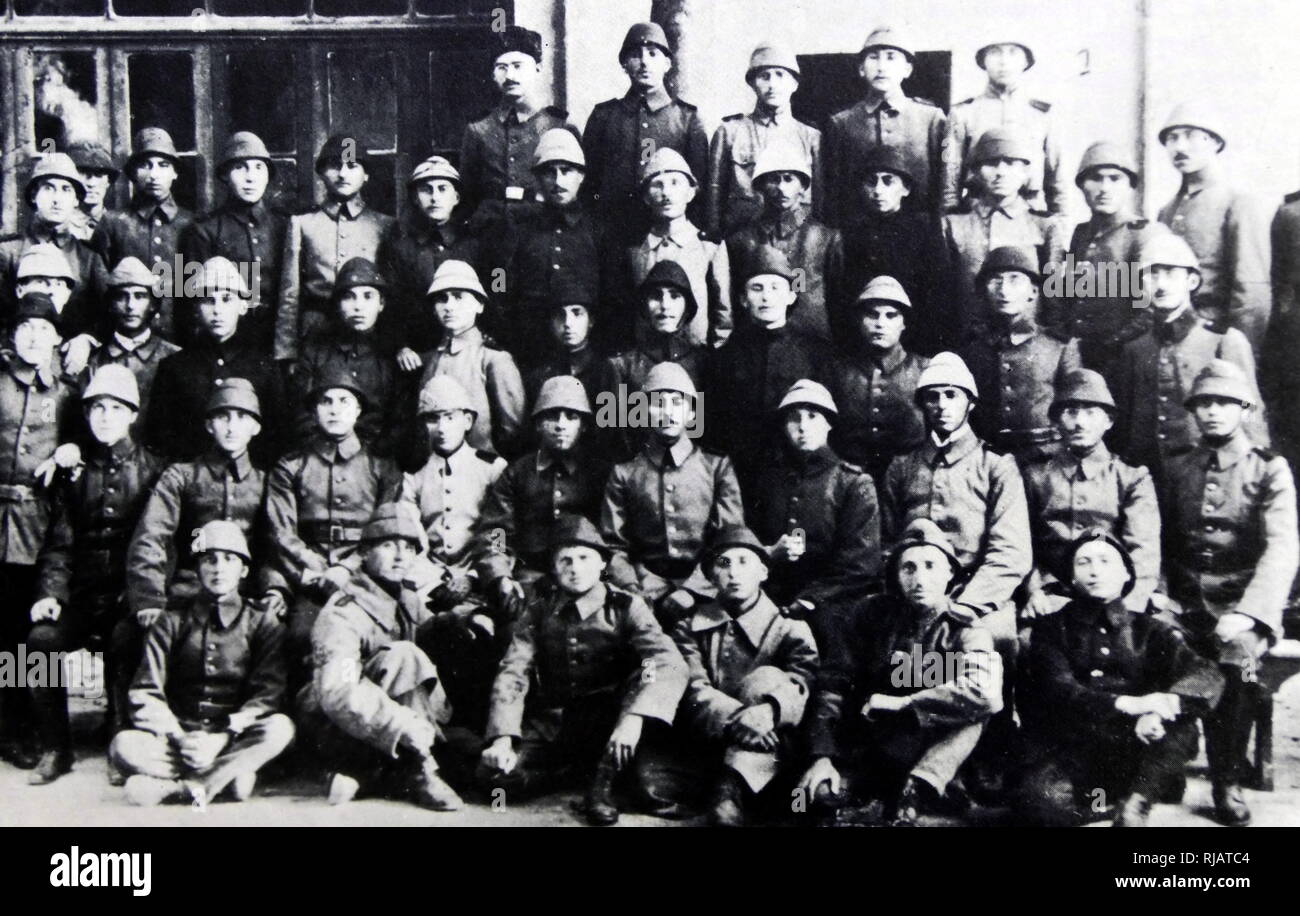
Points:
point(84, 797)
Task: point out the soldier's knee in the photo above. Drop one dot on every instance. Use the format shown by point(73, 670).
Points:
point(1045, 796)
point(762, 682)
point(277, 731)
point(45, 637)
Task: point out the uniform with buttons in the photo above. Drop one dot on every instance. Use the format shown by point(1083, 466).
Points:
point(732, 201)
point(1031, 118)
point(879, 419)
point(143, 359)
point(449, 493)
point(491, 378)
point(496, 160)
point(83, 313)
point(362, 358)
point(409, 255)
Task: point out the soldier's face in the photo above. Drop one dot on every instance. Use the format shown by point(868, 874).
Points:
point(221, 571)
point(457, 310)
point(884, 192)
point(1083, 425)
point(666, 307)
point(232, 430)
point(359, 307)
point(781, 190)
point(924, 574)
point(337, 412)
point(1011, 293)
point(1169, 287)
point(515, 74)
point(388, 560)
point(96, 187)
point(220, 311)
point(570, 326)
point(35, 340)
point(560, 182)
point(1099, 571)
point(1107, 190)
point(1218, 417)
point(1004, 64)
point(882, 325)
point(738, 574)
point(154, 177)
point(668, 194)
point(559, 429)
point(884, 69)
point(447, 429)
point(109, 419)
point(132, 308)
point(646, 65)
point(1004, 177)
point(946, 408)
point(344, 180)
point(774, 86)
point(577, 568)
point(768, 299)
point(1190, 149)
point(54, 200)
point(437, 198)
point(806, 428)
point(670, 413)
point(247, 179)
point(57, 288)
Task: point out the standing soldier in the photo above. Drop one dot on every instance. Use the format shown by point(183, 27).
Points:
point(622, 134)
point(732, 201)
point(885, 117)
point(81, 595)
point(135, 342)
point(98, 174)
point(1231, 557)
point(1228, 229)
point(1278, 377)
point(569, 349)
point(1005, 103)
point(319, 243)
point(496, 152)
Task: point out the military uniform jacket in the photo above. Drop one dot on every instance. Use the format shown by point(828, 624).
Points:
point(1230, 531)
point(1089, 653)
point(1069, 495)
point(1109, 248)
point(834, 504)
point(732, 201)
point(449, 493)
point(84, 312)
point(372, 369)
point(564, 649)
point(550, 247)
point(1154, 377)
point(721, 650)
point(626, 372)
point(1029, 117)
point(213, 665)
point(148, 229)
point(872, 643)
point(1276, 373)
point(245, 235)
point(707, 266)
point(492, 380)
point(878, 418)
point(916, 125)
point(976, 497)
point(409, 255)
point(143, 359)
point(585, 365)
point(496, 159)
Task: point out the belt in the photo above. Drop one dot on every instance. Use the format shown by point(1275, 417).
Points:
point(16, 493)
point(1018, 438)
point(329, 533)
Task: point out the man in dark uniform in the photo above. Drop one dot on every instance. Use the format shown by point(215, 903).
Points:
point(136, 339)
point(1278, 378)
point(98, 173)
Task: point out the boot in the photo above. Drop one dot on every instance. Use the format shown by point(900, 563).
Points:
point(907, 810)
point(147, 791)
point(599, 804)
point(728, 806)
point(1133, 811)
point(241, 789)
point(50, 767)
point(1230, 805)
point(343, 788)
point(19, 754)
point(429, 790)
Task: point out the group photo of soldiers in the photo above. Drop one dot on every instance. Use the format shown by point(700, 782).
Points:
point(756, 477)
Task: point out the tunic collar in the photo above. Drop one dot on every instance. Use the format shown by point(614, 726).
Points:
point(145, 207)
point(351, 208)
point(654, 100)
point(453, 344)
point(754, 622)
point(346, 450)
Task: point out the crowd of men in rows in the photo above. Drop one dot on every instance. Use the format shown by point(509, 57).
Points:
point(544, 485)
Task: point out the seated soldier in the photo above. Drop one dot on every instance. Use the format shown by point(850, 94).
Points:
point(750, 670)
point(350, 343)
point(567, 330)
point(375, 704)
point(586, 667)
point(661, 507)
point(82, 578)
point(134, 341)
point(905, 689)
point(818, 513)
point(1111, 697)
point(205, 704)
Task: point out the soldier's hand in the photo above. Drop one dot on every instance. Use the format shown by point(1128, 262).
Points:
point(273, 603)
point(624, 739)
point(822, 772)
point(789, 548)
point(335, 578)
point(419, 736)
point(1040, 604)
point(755, 727)
point(458, 586)
point(66, 456)
point(1232, 625)
point(882, 702)
point(500, 756)
point(1167, 706)
point(46, 609)
point(677, 602)
point(200, 749)
point(76, 353)
point(1149, 728)
point(510, 596)
point(146, 616)
point(408, 360)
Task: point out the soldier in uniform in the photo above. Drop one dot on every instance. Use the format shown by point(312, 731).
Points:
point(781, 176)
point(43, 269)
point(136, 341)
point(622, 133)
point(661, 507)
point(587, 667)
point(818, 513)
point(320, 243)
point(1013, 359)
point(1231, 555)
point(1005, 103)
point(873, 379)
point(1112, 697)
point(732, 201)
point(98, 174)
point(81, 591)
point(1103, 250)
point(1228, 229)
point(206, 702)
point(1280, 381)
point(496, 151)
point(1154, 369)
point(885, 117)
point(1083, 487)
point(569, 332)
point(375, 707)
point(872, 736)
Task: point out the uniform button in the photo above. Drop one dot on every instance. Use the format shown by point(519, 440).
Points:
point(157, 257)
point(1105, 651)
point(556, 513)
point(220, 361)
point(1096, 673)
point(157, 241)
point(1102, 630)
point(669, 488)
point(1209, 529)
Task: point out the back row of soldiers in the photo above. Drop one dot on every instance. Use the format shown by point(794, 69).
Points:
point(351, 361)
